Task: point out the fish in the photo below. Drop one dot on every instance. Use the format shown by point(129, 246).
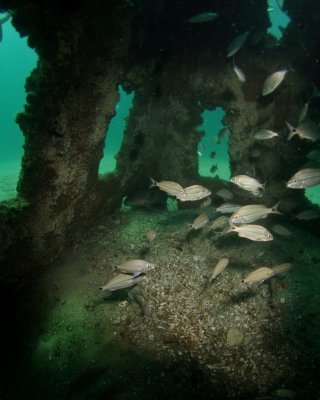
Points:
point(314, 155)
point(281, 268)
point(259, 275)
point(199, 222)
point(247, 183)
point(3, 19)
point(307, 215)
point(206, 202)
point(240, 75)
point(150, 235)
point(236, 44)
point(135, 267)
point(256, 233)
point(255, 153)
point(281, 230)
point(304, 178)
point(253, 212)
point(203, 17)
point(222, 133)
point(193, 193)
point(226, 194)
point(146, 198)
point(219, 268)
point(305, 130)
point(219, 223)
point(273, 81)
point(213, 154)
point(171, 188)
point(213, 169)
point(122, 281)
point(271, 9)
point(264, 134)
point(303, 112)
point(228, 208)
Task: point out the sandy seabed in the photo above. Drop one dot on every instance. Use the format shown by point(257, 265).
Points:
point(173, 336)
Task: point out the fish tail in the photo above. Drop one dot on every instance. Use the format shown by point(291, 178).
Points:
point(292, 130)
point(275, 208)
point(230, 228)
point(153, 183)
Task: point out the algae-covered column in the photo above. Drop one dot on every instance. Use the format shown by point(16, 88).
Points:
point(71, 97)
point(160, 139)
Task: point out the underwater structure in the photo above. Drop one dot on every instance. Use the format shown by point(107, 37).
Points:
point(176, 70)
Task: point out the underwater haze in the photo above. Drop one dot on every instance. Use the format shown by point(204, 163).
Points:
point(177, 294)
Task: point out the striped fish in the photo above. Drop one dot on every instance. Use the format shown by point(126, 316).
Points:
point(172, 188)
point(304, 178)
point(305, 130)
point(273, 81)
point(256, 233)
point(252, 212)
point(135, 267)
point(248, 183)
point(259, 275)
point(199, 222)
point(122, 281)
point(219, 268)
point(193, 193)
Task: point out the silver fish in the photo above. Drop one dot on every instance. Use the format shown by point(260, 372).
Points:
point(248, 183)
point(226, 194)
point(259, 275)
point(199, 222)
point(255, 153)
point(240, 75)
point(222, 133)
point(281, 230)
point(236, 44)
point(252, 213)
point(135, 267)
point(193, 193)
point(228, 208)
point(305, 130)
point(303, 112)
point(314, 155)
point(219, 223)
point(202, 17)
point(264, 134)
point(307, 215)
point(273, 81)
point(206, 202)
point(172, 188)
point(150, 235)
point(281, 268)
point(219, 268)
point(304, 178)
point(122, 281)
point(252, 232)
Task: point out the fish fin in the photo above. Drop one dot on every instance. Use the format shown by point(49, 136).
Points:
point(153, 183)
point(230, 228)
point(292, 130)
point(275, 210)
